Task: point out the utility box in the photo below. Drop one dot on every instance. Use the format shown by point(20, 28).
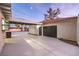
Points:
point(8, 34)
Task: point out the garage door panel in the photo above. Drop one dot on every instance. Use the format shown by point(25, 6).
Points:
point(50, 31)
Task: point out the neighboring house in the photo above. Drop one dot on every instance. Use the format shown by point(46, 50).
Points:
point(65, 28)
point(34, 29)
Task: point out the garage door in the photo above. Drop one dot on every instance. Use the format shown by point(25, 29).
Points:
point(50, 31)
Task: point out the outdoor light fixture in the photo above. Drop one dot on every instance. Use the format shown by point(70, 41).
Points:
point(38, 26)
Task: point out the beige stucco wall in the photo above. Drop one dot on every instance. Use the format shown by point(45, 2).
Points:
point(34, 29)
point(66, 30)
point(1, 34)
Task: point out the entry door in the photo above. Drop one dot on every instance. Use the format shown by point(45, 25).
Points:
point(50, 31)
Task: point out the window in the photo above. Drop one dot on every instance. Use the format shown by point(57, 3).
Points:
point(5, 24)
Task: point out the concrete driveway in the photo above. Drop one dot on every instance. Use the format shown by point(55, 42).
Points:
point(24, 44)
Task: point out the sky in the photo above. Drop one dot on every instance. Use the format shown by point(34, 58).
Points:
point(36, 11)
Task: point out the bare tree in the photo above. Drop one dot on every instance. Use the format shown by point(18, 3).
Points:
point(45, 16)
point(52, 13)
point(56, 12)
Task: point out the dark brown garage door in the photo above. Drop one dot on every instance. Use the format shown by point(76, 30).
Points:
point(50, 31)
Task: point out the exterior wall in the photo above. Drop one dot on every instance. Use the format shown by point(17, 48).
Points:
point(78, 30)
point(66, 29)
point(1, 34)
point(34, 29)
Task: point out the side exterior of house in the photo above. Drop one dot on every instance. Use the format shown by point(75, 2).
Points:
point(5, 14)
point(1, 33)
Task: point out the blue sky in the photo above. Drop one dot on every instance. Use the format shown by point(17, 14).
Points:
point(36, 11)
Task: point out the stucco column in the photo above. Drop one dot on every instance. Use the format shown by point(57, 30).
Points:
point(42, 29)
point(78, 30)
